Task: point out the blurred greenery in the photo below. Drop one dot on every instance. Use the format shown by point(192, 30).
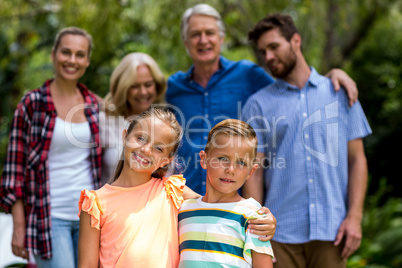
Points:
point(362, 37)
point(381, 245)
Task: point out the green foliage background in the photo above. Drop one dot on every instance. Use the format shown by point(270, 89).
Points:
point(362, 37)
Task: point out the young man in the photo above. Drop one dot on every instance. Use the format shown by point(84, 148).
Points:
point(213, 230)
point(317, 175)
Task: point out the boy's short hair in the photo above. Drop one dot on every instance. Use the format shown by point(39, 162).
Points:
point(233, 127)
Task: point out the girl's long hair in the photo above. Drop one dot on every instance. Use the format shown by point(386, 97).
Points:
point(165, 116)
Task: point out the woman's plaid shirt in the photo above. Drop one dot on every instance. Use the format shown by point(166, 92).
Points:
point(25, 172)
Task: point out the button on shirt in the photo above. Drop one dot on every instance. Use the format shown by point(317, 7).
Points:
point(304, 134)
point(198, 109)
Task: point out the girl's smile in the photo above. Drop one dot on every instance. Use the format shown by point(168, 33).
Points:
point(141, 159)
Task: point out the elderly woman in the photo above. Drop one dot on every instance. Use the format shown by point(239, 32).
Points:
point(136, 83)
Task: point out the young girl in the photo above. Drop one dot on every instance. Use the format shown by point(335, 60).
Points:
point(133, 220)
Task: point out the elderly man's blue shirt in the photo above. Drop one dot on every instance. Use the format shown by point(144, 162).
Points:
point(199, 109)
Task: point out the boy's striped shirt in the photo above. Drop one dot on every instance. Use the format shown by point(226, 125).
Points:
point(217, 233)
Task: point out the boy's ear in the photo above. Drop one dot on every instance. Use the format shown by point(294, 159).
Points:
point(203, 162)
point(252, 170)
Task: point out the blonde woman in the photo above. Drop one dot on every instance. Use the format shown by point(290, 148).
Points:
point(53, 153)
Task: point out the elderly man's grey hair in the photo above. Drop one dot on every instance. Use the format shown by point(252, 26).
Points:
point(200, 9)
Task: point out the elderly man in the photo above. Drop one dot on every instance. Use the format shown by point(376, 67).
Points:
point(214, 88)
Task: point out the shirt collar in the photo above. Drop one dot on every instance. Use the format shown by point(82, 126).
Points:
point(45, 90)
point(223, 63)
point(313, 80)
point(47, 96)
point(314, 77)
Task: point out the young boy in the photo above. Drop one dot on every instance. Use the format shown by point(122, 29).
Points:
point(213, 229)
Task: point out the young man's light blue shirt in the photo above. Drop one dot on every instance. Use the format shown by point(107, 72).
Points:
point(304, 134)
point(199, 109)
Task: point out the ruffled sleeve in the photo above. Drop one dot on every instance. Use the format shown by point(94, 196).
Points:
point(89, 203)
point(174, 186)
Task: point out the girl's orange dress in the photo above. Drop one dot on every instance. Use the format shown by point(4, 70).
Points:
point(138, 225)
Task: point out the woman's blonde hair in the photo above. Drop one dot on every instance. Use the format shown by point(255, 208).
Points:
point(122, 78)
point(74, 31)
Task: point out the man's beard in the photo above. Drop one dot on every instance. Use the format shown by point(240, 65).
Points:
point(288, 64)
